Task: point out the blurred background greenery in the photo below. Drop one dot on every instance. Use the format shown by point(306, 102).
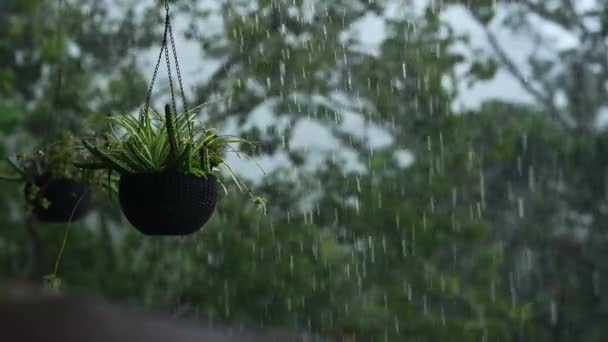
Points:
point(482, 223)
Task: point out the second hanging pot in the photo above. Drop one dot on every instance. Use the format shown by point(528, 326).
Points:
point(167, 203)
point(68, 199)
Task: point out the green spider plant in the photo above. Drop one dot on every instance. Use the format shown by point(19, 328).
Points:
point(54, 161)
point(159, 143)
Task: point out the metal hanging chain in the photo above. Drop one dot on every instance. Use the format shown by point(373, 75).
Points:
point(144, 112)
point(165, 48)
point(177, 70)
point(168, 60)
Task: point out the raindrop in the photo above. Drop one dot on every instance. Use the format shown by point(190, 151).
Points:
point(519, 166)
point(453, 222)
point(372, 254)
point(413, 243)
point(349, 79)
point(470, 160)
point(424, 223)
point(482, 188)
point(520, 207)
point(336, 221)
point(279, 252)
point(531, 181)
point(384, 244)
point(282, 73)
point(226, 299)
point(441, 146)
point(424, 305)
point(512, 289)
point(553, 312)
point(596, 283)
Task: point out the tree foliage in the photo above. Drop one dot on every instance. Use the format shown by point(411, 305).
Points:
point(492, 232)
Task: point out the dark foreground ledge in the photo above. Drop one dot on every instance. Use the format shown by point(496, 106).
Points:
point(30, 313)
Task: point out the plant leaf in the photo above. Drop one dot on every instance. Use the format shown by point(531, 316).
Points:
point(114, 163)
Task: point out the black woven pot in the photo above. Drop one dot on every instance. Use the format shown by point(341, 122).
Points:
point(69, 200)
point(167, 203)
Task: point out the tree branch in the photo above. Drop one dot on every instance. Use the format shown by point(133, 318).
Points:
point(562, 118)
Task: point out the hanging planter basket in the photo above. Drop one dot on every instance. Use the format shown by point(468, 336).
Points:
point(167, 203)
point(68, 199)
point(53, 189)
point(167, 184)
